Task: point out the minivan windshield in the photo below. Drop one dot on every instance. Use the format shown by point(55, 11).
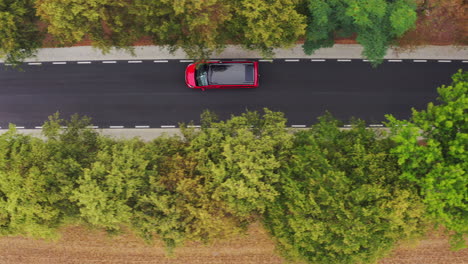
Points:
point(201, 75)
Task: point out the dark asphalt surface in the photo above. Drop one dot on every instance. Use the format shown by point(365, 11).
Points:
point(155, 94)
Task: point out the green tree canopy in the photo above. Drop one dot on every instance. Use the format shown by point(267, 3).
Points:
point(197, 27)
point(341, 199)
point(439, 166)
point(107, 23)
point(377, 23)
point(265, 24)
point(19, 34)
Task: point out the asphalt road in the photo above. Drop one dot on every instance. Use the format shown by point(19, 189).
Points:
point(154, 94)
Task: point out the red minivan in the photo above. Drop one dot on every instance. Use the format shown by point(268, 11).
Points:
point(222, 75)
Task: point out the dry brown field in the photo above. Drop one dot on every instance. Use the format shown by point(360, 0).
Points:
point(79, 245)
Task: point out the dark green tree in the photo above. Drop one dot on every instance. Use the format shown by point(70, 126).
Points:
point(377, 24)
point(439, 164)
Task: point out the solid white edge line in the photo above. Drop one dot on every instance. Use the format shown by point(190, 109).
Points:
point(185, 60)
point(83, 62)
point(168, 126)
point(265, 60)
point(419, 60)
point(298, 125)
point(38, 127)
point(444, 61)
point(109, 61)
point(141, 126)
point(394, 60)
point(343, 60)
point(92, 127)
point(34, 63)
point(291, 60)
point(136, 61)
point(116, 126)
point(317, 60)
point(159, 61)
point(59, 62)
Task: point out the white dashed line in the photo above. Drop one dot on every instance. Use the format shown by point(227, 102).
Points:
point(59, 62)
point(160, 61)
point(35, 63)
point(8, 64)
point(444, 61)
point(38, 127)
point(94, 127)
point(394, 60)
point(298, 126)
point(317, 60)
point(135, 61)
point(347, 126)
point(344, 60)
point(465, 61)
point(365, 60)
point(186, 60)
point(419, 60)
point(109, 61)
point(83, 62)
point(20, 127)
point(376, 125)
point(291, 60)
point(167, 126)
point(63, 127)
point(116, 126)
point(141, 126)
point(265, 60)
point(193, 126)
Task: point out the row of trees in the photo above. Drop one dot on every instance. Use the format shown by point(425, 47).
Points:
point(326, 195)
point(203, 27)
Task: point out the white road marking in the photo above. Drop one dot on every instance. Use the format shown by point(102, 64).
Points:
point(291, 60)
point(139, 61)
point(59, 62)
point(265, 60)
point(394, 60)
point(347, 125)
point(444, 61)
point(317, 60)
point(344, 60)
point(109, 61)
point(298, 126)
point(465, 61)
point(92, 127)
point(168, 126)
point(83, 62)
point(186, 60)
point(20, 127)
point(419, 60)
point(365, 60)
point(376, 125)
point(160, 61)
point(193, 126)
point(38, 127)
point(63, 127)
point(35, 63)
point(141, 126)
point(116, 126)
point(8, 64)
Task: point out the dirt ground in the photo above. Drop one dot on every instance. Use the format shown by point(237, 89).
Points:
point(78, 245)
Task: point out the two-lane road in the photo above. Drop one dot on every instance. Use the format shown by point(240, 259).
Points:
point(154, 94)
